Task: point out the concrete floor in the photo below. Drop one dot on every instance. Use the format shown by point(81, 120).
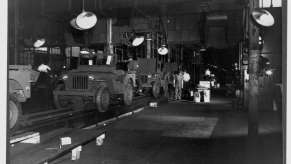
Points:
point(183, 132)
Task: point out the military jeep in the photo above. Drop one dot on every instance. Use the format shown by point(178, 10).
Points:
point(150, 80)
point(95, 81)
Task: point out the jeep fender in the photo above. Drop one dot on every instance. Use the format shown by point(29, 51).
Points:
point(15, 88)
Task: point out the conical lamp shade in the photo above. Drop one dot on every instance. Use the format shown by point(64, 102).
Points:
point(137, 41)
point(86, 20)
point(39, 42)
point(163, 50)
point(263, 17)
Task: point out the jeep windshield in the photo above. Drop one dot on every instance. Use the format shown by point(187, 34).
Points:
point(98, 59)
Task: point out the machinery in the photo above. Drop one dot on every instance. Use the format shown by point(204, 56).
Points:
point(95, 81)
point(150, 80)
point(21, 78)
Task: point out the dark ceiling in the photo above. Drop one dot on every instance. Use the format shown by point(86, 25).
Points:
point(125, 8)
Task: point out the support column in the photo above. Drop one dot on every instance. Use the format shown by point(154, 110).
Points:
point(109, 36)
point(253, 92)
point(182, 54)
point(169, 54)
point(148, 48)
point(253, 123)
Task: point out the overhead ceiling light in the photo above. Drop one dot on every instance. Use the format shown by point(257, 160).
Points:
point(85, 51)
point(202, 49)
point(163, 50)
point(86, 20)
point(269, 72)
point(138, 40)
point(39, 42)
point(263, 17)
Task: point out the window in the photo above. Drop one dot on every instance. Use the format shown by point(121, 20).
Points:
point(270, 3)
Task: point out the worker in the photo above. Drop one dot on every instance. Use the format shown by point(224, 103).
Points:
point(44, 84)
point(132, 67)
point(43, 68)
point(178, 85)
point(171, 86)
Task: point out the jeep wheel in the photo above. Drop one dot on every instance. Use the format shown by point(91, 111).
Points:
point(165, 90)
point(59, 102)
point(166, 85)
point(102, 99)
point(15, 112)
point(128, 94)
point(156, 88)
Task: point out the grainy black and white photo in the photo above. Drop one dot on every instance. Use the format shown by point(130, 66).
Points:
point(146, 81)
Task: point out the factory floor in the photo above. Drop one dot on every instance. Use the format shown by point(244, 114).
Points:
point(181, 132)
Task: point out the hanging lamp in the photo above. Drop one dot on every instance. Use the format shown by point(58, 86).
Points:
point(85, 20)
point(137, 40)
point(39, 42)
point(85, 51)
point(263, 17)
point(163, 50)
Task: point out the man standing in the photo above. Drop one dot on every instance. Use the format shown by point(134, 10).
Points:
point(178, 85)
point(132, 68)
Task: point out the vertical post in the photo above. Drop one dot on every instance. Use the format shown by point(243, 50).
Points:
point(68, 58)
point(194, 65)
point(181, 55)
point(109, 36)
point(169, 54)
point(253, 34)
point(148, 48)
point(16, 32)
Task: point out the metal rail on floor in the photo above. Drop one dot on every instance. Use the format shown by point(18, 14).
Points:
point(41, 119)
point(47, 150)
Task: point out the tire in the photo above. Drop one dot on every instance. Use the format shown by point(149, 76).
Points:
point(156, 89)
point(15, 112)
point(166, 90)
point(102, 99)
point(166, 86)
point(128, 94)
point(58, 102)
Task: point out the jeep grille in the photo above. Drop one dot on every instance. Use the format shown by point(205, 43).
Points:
point(144, 79)
point(80, 82)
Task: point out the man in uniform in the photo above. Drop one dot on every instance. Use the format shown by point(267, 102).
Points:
point(132, 67)
point(178, 85)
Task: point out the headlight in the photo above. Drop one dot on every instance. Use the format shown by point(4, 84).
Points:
point(65, 77)
point(20, 93)
point(149, 76)
point(27, 88)
point(91, 77)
